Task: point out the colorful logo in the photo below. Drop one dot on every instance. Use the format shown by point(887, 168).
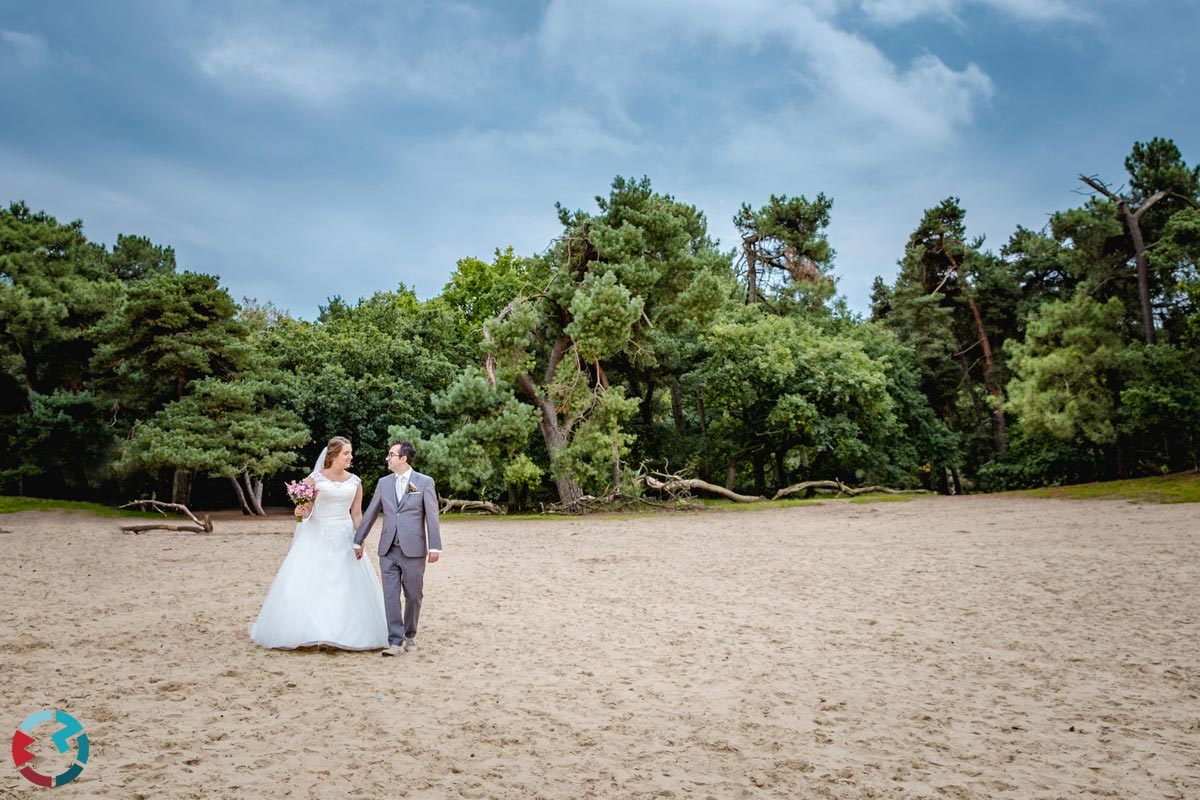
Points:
point(71, 729)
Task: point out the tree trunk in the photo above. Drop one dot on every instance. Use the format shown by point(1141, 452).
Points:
point(181, 486)
point(556, 440)
point(1143, 272)
point(999, 438)
point(731, 474)
point(751, 271)
point(760, 473)
point(254, 494)
point(616, 467)
point(241, 496)
point(958, 487)
point(677, 406)
point(1133, 223)
point(647, 407)
point(568, 489)
point(780, 471)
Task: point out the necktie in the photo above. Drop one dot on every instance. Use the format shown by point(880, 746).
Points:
point(401, 488)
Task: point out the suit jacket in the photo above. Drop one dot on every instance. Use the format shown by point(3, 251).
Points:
point(412, 524)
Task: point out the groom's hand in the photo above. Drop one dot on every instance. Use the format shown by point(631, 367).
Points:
point(434, 555)
point(358, 551)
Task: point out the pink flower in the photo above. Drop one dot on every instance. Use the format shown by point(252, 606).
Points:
point(301, 494)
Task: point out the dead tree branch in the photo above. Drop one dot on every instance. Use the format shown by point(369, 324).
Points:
point(837, 487)
point(201, 526)
point(675, 485)
point(449, 505)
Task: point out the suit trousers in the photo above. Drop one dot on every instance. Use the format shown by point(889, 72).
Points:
point(402, 573)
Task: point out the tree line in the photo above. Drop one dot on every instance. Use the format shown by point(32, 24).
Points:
point(632, 344)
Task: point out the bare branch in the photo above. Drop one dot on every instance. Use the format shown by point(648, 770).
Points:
point(1099, 186)
point(675, 483)
point(202, 527)
point(837, 487)
point(1149, 201)
point(469, 505)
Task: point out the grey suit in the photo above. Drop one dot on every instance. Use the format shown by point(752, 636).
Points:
point(410, 530)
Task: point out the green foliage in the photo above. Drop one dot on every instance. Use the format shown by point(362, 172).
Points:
point(787, 252)
point(480, 290)
point(626, 293)
point(483, 455)
point(54, 286)
point(819, 402)
point(1160, 408)
point(628, 342)
point(364, 368)
point(955, 305)
point(220, 428)
point(1065, 383)
point(601, 441)
point(136, 257)
point(64, 435)
point(603, 313)
point(171, 329)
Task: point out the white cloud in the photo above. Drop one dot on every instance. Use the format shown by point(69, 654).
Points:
point(307, 62)
point(297, 68)
point(854, 84)
point(898, 12)
point(562, 133)
point(30, 49)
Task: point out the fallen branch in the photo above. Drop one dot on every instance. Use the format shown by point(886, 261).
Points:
point(469, 505)
point(837, 487)
point(162, 526)
point(204, 526)
point(674, 484)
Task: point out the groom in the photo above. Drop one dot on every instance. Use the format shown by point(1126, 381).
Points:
point(410, 535)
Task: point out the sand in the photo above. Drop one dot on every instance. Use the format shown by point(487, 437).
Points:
point(966, 647)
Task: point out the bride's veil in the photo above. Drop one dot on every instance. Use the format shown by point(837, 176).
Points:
point(320, 463)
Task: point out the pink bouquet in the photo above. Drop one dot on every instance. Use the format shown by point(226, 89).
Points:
point(301, 494)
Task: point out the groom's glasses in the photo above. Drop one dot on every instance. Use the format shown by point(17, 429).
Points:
point(392, 455)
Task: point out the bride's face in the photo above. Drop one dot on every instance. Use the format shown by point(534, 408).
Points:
point(344, 458)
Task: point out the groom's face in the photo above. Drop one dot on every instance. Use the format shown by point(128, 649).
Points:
point(396, 462)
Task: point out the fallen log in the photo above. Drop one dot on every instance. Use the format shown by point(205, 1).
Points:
point(674, 484)
point(162, 526)
point(201, 526)
point(470, 505)
point(837, 487)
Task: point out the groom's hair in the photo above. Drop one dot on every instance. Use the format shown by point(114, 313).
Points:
point(406, 449)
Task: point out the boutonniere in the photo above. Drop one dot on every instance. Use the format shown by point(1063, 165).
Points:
point(413, 489)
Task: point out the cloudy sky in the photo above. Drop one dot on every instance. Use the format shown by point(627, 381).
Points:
point(302, 150)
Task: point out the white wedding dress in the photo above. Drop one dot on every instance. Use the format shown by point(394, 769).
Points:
point(322, 594)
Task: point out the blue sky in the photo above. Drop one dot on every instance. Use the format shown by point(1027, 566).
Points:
point(303, 150)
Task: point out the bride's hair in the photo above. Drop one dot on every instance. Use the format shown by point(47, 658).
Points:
point(335, 446)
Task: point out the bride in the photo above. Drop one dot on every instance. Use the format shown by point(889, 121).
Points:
point(322, 594)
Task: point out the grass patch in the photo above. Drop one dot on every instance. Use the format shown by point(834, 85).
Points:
point(880, 497)
point(706, 504)
point(721, 504)
point(11, 505)
point(1182, 487)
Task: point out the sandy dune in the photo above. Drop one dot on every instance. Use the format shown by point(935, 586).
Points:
point(941, 648)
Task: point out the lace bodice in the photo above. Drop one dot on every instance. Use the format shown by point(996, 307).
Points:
point(334, 497)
